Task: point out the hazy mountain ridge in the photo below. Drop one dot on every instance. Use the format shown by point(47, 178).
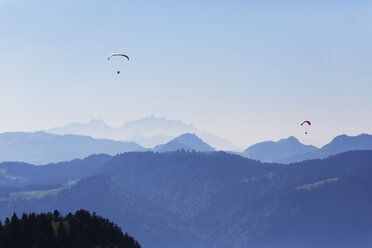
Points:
point(42, 148)
point(148, 132)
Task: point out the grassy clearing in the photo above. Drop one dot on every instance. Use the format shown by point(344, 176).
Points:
point(317, 184)
point(27, 195)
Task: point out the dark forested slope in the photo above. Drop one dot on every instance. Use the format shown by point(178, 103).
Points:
point(79, 230)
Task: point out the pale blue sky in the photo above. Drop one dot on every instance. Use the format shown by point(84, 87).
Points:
point(246, 70)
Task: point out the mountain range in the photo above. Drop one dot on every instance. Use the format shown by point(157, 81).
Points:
point(153, 131)
point(290, 150)
point(147, 132)
point(42, 148)
point(214, 199)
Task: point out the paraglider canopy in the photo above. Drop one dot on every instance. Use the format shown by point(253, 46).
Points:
point(118, 54)
point(307, 122)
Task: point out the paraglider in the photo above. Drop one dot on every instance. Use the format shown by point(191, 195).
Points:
point(306, 122)
point(118, 54)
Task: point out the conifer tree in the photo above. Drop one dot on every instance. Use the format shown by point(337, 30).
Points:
point(62, 235)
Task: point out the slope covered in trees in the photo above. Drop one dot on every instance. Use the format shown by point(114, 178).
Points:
point(77, 230)
point(214, 199)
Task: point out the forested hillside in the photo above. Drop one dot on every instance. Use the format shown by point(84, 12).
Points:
point(207, 199)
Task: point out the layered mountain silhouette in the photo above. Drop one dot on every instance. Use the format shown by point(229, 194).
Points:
point(186, 142)
point(291, 150)
point(148, 132)
point(214, 199)
point(42, 148)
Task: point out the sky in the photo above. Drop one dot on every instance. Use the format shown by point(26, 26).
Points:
point(246, 70)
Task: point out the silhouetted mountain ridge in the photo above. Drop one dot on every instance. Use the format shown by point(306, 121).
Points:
point(290, 150)
point(339, 144)
point(270, 151)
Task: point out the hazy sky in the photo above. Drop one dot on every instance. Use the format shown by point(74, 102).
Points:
point(246, 70)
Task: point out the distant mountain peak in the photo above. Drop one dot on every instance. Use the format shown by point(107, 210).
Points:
point(187, 136)
point(154, 117)
point(154, 120)
point(187, 141)
point(96, 121)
